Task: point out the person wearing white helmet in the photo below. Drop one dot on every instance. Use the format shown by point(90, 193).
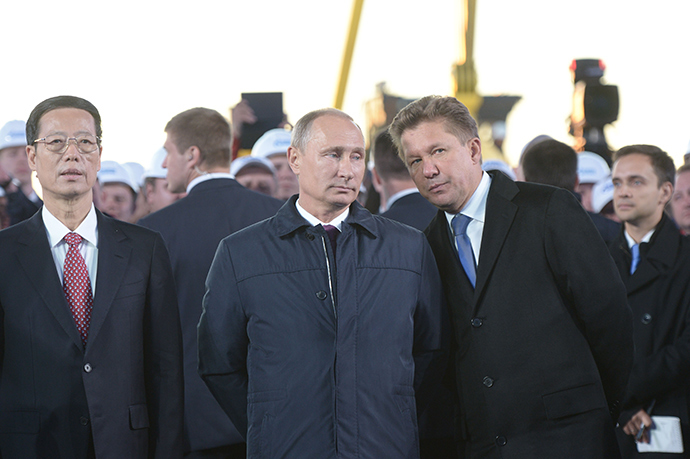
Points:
point(118, 191)
point(273, 146)
point(22, 200)
point(591, 168)
point(257, 174)
point(155, 185)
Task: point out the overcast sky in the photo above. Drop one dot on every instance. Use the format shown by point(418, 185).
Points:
point(142, 62)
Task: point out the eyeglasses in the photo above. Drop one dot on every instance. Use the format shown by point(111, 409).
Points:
point(86, 143)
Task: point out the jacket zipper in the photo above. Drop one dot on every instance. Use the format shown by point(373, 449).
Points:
point(330, 280)
point(335, 314)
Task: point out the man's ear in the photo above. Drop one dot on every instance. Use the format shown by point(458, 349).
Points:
point(666, 192)
point(294, 159)
point(193, 156)
point(376, 181)
point(31, 156)
point(475, 147)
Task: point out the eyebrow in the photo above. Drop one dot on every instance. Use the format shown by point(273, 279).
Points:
point(629, 177)
point(340, 149)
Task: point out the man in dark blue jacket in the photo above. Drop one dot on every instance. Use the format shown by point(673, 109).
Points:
point(319, 322)
point(216, 205)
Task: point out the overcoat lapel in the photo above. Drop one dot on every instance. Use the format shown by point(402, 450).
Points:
point(500, 213)
point(114, 252)
point(657, 258)
point(37, 261)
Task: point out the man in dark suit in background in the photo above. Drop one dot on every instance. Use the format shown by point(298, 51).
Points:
point(90, 341)
point(392, 181)
point(198, 162)
point(554, 163)
point(654, 263)
point(543, 334)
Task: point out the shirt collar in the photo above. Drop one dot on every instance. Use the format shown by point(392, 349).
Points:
point(631, 241)
point(313, 221)
point(208, 176)
point(475, 208)
point(57, 230)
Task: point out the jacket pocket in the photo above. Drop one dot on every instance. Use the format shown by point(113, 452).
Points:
point(267, 396)
point(138, 416)
point(572, 401)
point(20, 422)
point(404, 397)
point(261, 413)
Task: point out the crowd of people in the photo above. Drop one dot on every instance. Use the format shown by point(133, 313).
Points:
point(223, 304)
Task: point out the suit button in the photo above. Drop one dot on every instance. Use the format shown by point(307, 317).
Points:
point(321, 295)
point(488, 382)
point(501, 440)
point(310, 236)
point(84, 421)
point(646, 318)
point(477, 322)
point(87, 368)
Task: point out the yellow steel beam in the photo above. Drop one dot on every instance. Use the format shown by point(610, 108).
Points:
point(349, 50)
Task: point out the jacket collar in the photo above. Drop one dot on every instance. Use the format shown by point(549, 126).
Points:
point(288, 220)
point(656, 257)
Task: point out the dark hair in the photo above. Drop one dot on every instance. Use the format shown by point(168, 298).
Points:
point(386, 160)
point(662, 163)
point(451, 111)
point(205, 129)
point(302, 130)
point(32, 124)
point(552, 163)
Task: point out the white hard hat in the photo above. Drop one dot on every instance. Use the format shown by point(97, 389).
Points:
point(244, 161)
point(113, 172)
point(271, 143)
point(156, 169)
point(602, 193)
point(13, 134)
point(591, 167)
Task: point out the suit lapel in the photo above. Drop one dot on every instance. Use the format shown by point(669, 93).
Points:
point(37, 260)
point(500, 213)
point(113, 257)
point(657, 257)
point(439, 235)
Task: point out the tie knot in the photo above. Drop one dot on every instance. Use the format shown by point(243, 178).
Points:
point(332, 231)
point(73, 239)
point(460, 223)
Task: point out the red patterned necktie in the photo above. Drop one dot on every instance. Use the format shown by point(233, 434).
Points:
point(77, 286)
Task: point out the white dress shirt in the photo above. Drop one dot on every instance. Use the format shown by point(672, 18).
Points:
point(207, 176)
point(631, 241)
point(475, 208)
point(313, 221)
point(88, 248)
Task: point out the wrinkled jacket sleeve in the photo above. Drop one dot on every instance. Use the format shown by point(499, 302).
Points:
point(222, 337)
point(430, 330)
point(590, 284)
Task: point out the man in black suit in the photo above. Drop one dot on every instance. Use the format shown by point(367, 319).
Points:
point(392, 181)
point(543, 335)
point(554, 163)
point(90, 341)
point(654, 263)
point(198, 162)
